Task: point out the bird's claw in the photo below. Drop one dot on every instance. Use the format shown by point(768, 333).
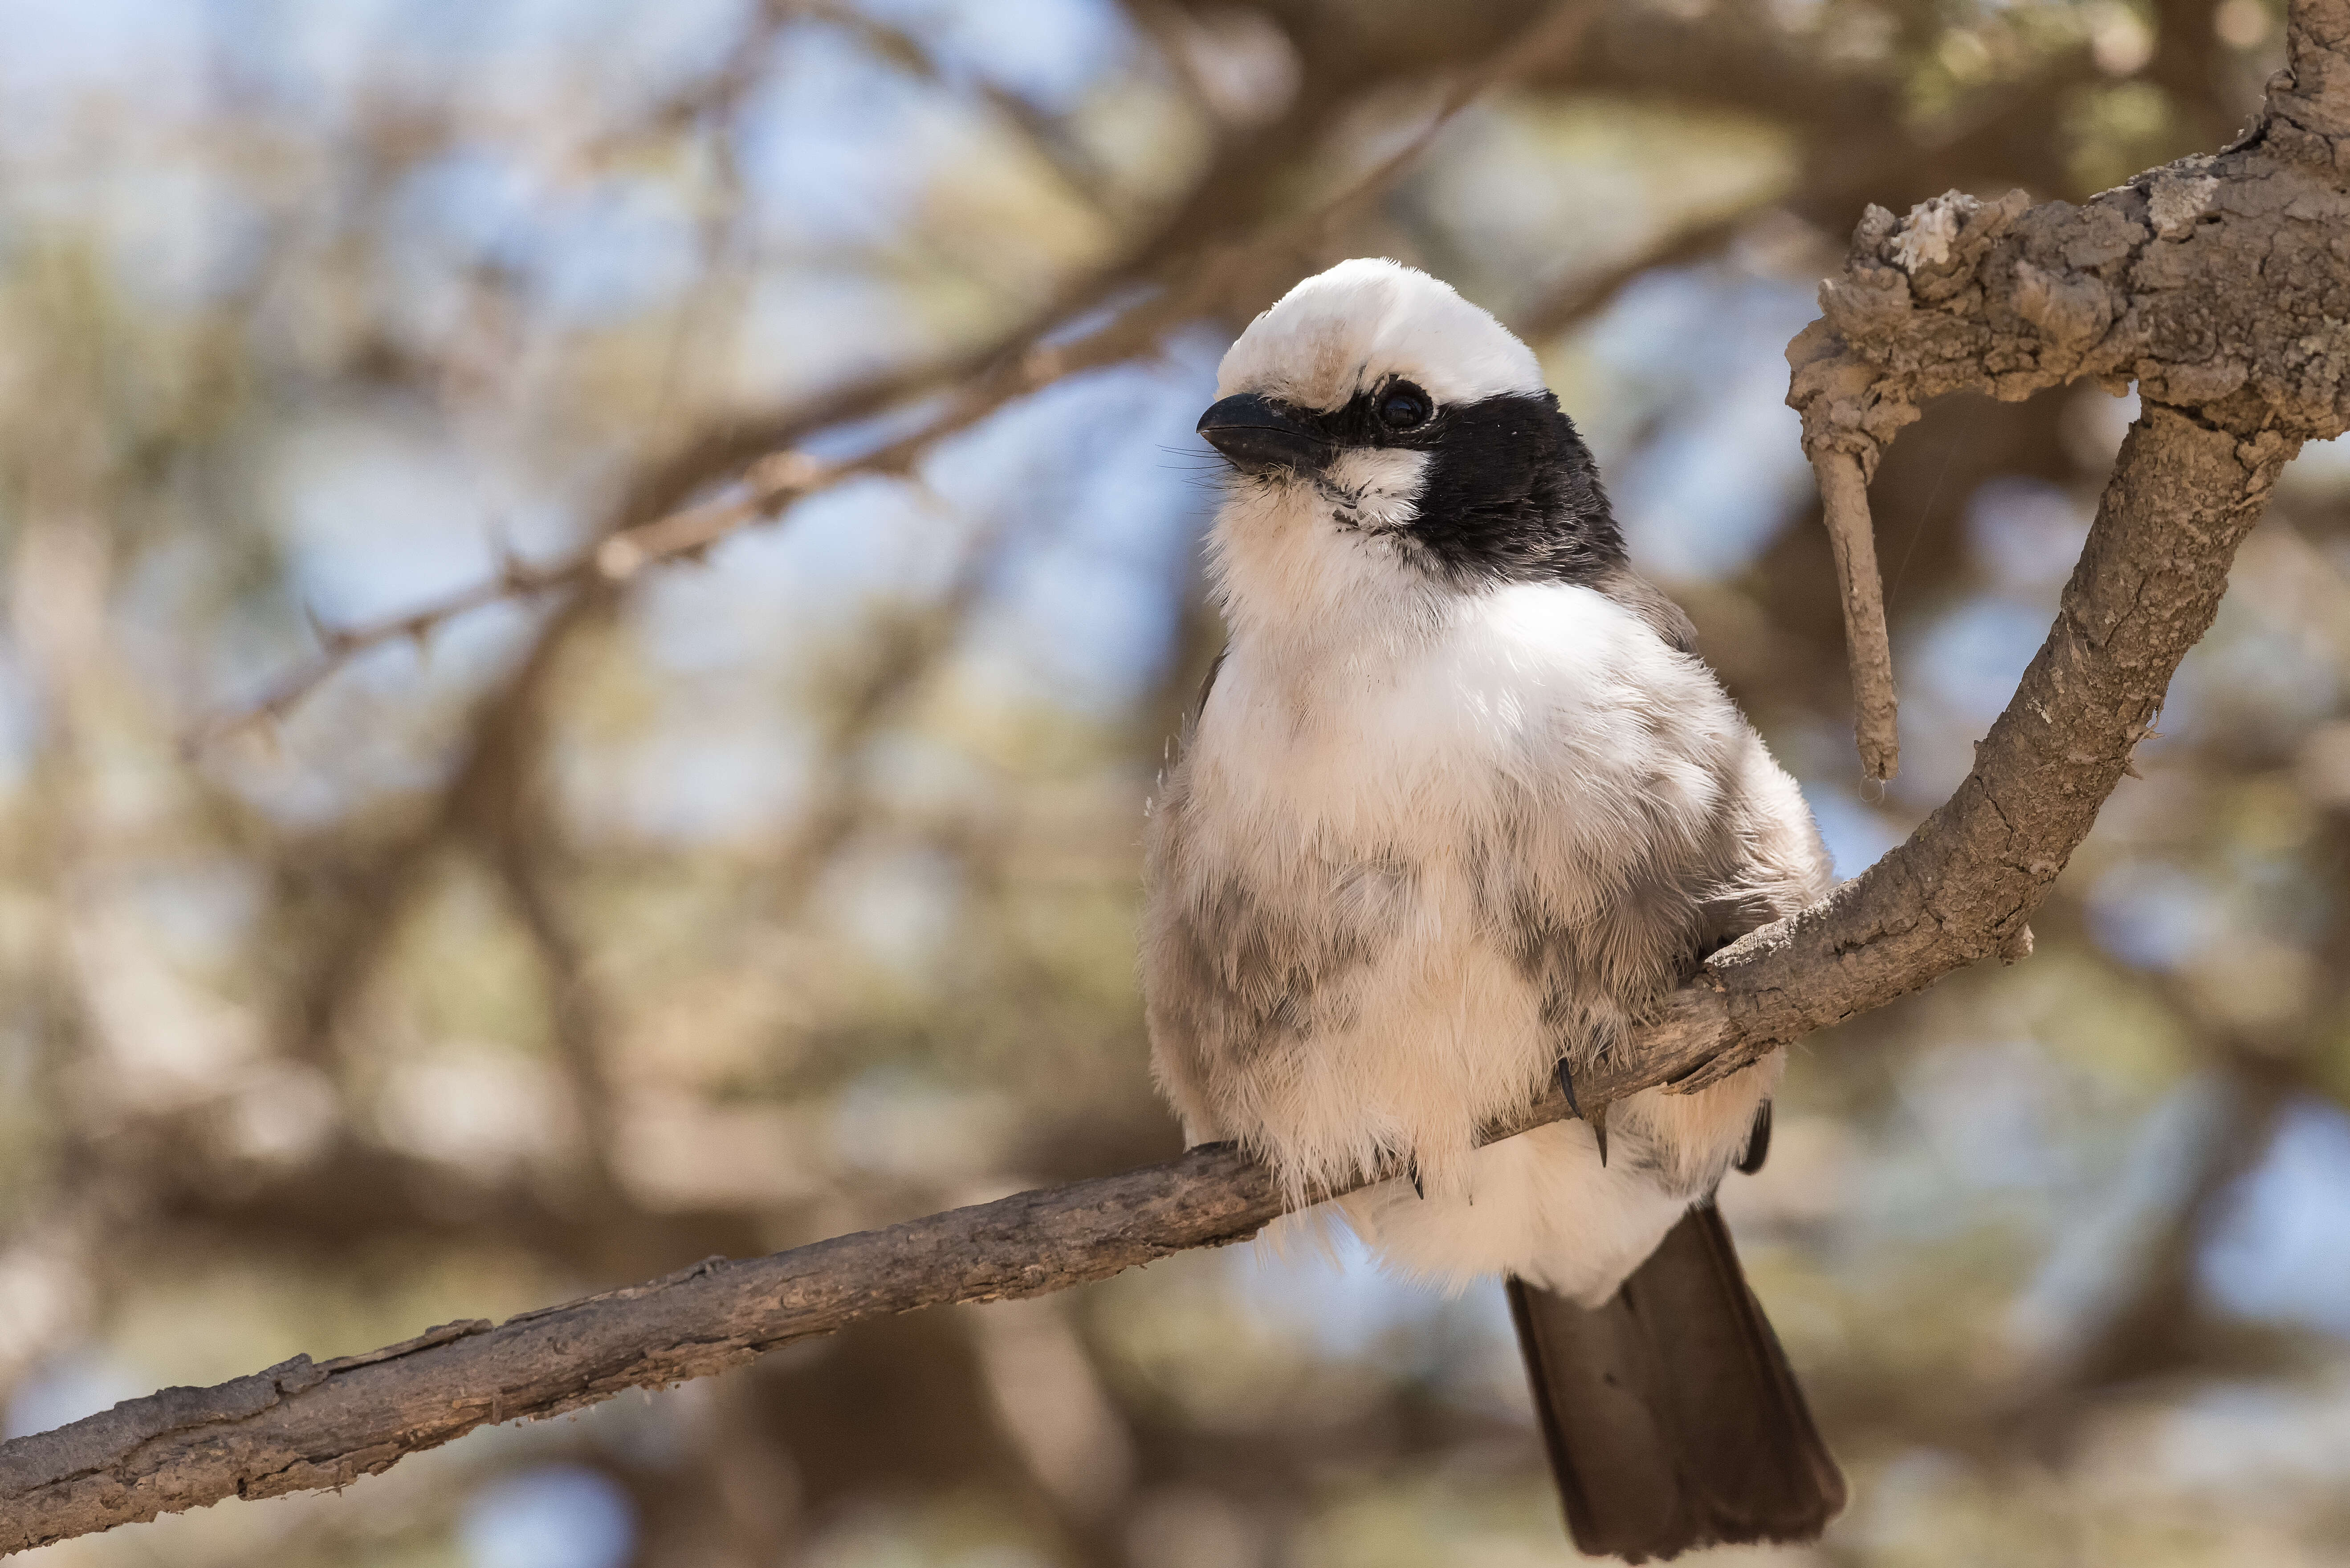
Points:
point(1758, 1142)
point(1598, 1122)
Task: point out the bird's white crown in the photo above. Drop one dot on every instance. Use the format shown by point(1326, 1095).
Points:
point(1365, 321)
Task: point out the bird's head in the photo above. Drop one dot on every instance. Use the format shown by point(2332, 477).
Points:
point(1381, 426)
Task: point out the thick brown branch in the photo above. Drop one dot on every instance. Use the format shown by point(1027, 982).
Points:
point(301, 1426)
point(2148, 283)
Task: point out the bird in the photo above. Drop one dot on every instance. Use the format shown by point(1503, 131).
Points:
point(1459, 803)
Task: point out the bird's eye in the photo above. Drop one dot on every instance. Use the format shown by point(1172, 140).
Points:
point(1403, 406)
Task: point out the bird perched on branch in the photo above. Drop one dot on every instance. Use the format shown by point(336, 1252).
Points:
point(1460, 802)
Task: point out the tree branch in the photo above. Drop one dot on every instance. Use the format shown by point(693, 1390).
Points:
point(1844, 508)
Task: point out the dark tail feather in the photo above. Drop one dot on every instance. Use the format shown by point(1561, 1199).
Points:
point(1672, 1418)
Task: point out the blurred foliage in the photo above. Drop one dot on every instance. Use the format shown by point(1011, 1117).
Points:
point(794, 890)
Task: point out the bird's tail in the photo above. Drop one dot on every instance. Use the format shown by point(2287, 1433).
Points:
point(1672, 1418)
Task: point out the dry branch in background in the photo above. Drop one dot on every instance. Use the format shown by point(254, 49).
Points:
point(1217, 278)
point(2150, 282)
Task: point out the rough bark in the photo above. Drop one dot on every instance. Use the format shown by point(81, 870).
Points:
point(2216, 283)
point(2219, 285)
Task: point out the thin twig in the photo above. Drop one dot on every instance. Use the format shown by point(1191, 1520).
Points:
point(1844, 506)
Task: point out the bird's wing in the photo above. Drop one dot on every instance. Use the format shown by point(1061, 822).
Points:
point(1645, 599)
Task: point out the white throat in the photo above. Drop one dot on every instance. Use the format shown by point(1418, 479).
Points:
point(1301, 565)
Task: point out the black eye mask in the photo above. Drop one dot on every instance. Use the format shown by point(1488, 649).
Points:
point(1510, 492)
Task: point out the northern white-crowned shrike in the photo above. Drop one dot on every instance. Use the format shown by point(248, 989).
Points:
point(1461, 801)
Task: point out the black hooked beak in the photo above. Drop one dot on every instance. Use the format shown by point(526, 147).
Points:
point(1258, 436)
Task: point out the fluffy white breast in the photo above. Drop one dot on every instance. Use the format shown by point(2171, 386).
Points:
point(1470, 704)
point(1513, 716)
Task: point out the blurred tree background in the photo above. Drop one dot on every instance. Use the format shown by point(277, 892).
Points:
point(794, 891)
